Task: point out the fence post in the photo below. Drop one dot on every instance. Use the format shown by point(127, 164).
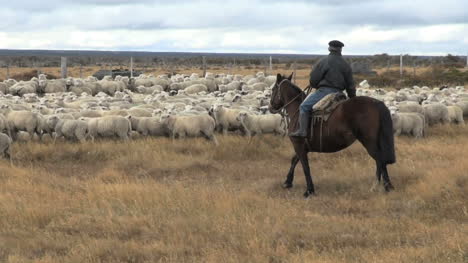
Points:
point(131, 67)
point(7, 71)
point(63, 67)
point(271, 67)
point(204, 65)
point(294, 72)
point(401, 66)
point(38, 70)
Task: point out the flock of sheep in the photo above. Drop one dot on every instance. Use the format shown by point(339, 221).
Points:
point(183, 106)
point(413, 109)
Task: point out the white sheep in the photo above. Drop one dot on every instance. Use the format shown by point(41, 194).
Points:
point(410, 123)
point(196, 88)
point(5, 144)
point(139, 112)
point(260, 124)
point(436, 113)
point(24, 87)
point(226, 119)
point(191, 126)
point(410, 106)
point(52, 86)
point(235, 85)
point(464, 106)
point(70, 129)
point(22, 121)
point(148, 126)
point(108, 126)
point(455, 114)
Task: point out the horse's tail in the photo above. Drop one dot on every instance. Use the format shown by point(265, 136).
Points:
point(386, 144)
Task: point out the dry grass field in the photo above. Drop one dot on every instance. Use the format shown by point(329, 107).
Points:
point(154, 200)
point(302, 72)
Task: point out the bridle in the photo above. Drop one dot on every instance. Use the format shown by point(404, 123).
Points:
point(281, 110)
point(278, 93)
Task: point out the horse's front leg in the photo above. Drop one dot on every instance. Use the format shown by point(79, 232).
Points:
point(305, 166)
point(378, 174)
point(290, 178)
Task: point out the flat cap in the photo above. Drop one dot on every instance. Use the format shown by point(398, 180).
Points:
point(335, 43)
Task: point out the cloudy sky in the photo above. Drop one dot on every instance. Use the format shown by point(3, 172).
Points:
point(419, 27)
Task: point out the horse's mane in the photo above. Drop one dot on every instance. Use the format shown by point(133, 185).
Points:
point(299, 90)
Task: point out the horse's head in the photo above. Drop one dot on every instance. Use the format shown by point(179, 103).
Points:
point(277, 100)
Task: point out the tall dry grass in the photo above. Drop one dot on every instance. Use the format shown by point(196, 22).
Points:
point(154, 200)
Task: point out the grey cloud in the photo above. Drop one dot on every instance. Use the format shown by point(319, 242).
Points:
point(147, 14)
point(314, 17)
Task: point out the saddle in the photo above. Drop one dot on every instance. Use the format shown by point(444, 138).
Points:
point(322, 110)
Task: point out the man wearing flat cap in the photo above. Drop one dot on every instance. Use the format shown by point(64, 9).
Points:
point(331, 74)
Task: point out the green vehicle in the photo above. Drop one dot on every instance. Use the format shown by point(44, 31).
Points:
point(115, 72)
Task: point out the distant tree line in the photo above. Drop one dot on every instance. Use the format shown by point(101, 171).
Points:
point(194, 60)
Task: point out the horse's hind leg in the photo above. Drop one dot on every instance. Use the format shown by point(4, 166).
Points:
point(381, 169)
point(305, 167)
point(290, 178)
point(387, 184)
point(378, 174)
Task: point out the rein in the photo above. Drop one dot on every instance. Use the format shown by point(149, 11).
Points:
point(282, 110)
point(291, 101)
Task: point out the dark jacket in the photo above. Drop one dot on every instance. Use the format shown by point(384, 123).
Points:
point(333, 72)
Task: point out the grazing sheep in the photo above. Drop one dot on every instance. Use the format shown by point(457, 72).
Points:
point(70, 129)
point(196, 88)
point(52, 86)
point(110, 86)
point(24, 87)
point(109, 126)
point(148, 126)
point(464, 106)
point(408, 123)
point(226, 119)
point(260, 124)
point(4, 89)
point(79, 87)
point(22, 121)
point(4, 126)
point(235, 85)
point(5, 144)
point(137, 112)
point(455, 114)
point(410, 107)
point(191, 126)
point(436, 113)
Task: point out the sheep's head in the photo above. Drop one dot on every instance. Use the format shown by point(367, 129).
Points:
point(217, 108)
point(237, 98)
point(164, 118)
point(52, 121)
point(42, 83)
point(393, 111)
point(59, 110)
point(242, 116)
point(157, 112)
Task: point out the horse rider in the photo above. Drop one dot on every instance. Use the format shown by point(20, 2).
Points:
point(331, 74)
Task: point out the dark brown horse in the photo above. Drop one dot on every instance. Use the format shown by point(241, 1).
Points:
point(363, 118)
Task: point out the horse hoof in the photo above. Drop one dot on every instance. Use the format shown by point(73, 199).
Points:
point(308, 193)
point(287, 185)
point(389, 187)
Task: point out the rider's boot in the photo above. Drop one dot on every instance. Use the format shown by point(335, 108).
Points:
point(303, 125)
